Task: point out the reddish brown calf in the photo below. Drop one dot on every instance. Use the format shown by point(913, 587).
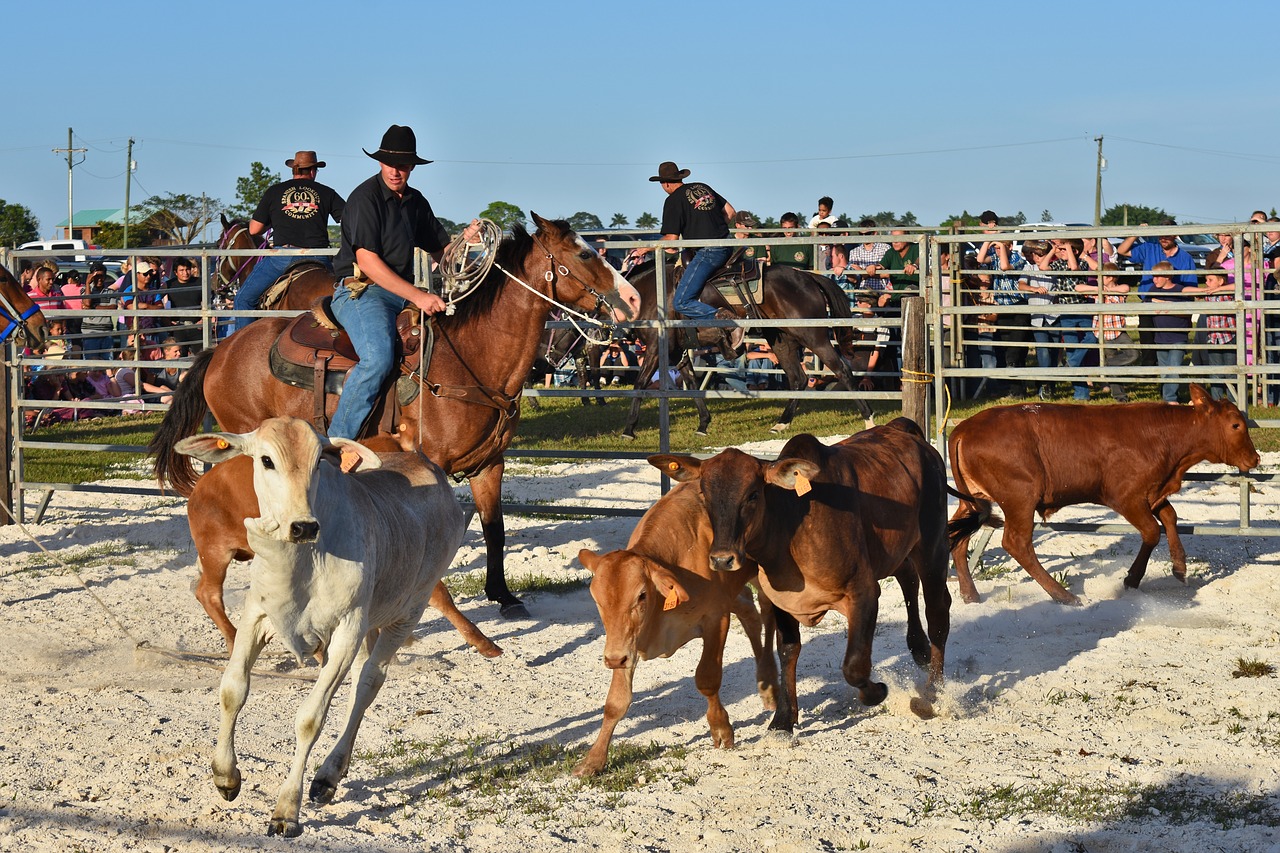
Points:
point(1034, 457)
point(826, 524)
point(222, 499)
point(659, 594)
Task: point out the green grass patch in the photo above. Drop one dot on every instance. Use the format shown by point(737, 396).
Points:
point(1109, 802)
point(86, 466)
point(1252, 668)
point(471, 584)
point(489, 774)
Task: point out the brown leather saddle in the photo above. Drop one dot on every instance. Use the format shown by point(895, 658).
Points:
point(739, 281)
point(314, 352)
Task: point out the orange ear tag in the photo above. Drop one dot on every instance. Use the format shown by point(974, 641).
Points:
point(802, 484)
point(672, 601)
point(222, 444)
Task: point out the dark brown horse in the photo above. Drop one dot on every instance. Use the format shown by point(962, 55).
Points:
point(785, 294)
point(20, 317)
point(304, 288)
point(466, 416)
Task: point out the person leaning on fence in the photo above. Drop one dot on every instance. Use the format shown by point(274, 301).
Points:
point(1169, 327)
point(1011, 334)
point(1161, 249)
point(1117, 345)
point(297, 211)
point(384, 222)
point(1044, 323)
point(183, 291)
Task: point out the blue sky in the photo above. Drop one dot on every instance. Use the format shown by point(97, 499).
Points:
point(561, 107)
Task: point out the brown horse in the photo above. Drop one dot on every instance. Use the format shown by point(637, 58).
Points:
point(20, 316)
point(786, 293)
point(304, 288)
point(467, 413)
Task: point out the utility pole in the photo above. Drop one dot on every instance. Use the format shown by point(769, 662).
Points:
point(1097, 188)
point(71, 152)
point(128, 181)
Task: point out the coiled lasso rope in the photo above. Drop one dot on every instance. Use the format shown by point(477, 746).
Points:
point(461, 270)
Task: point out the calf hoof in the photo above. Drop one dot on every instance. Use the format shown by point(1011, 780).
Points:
point(513, 610)
point(588, 767)
point(284, 826)
point(229, 787)
point(322, 791)
point(873, 694)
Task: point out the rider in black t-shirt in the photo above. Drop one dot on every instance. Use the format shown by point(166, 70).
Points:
point(695, 211)
point(297, 211)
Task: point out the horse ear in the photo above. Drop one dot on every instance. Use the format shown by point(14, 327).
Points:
point(212, 446)
point(225, 223)
point(682, 469)
point(539, 221)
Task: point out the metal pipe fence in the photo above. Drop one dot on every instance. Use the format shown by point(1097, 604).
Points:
point(945, 278)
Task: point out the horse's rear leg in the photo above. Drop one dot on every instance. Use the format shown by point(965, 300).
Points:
point(442, 602)
point(790, 360)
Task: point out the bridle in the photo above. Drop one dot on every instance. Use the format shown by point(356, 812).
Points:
point(14, 319)
point(555, 269)
point(227, 239)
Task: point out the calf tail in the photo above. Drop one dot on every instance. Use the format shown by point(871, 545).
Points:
point(980, 513)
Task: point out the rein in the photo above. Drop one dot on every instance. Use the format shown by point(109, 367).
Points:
point(226, 241)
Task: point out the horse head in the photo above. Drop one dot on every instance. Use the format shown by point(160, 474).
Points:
point(19, 313)
point(235, 235)
point(577, 273)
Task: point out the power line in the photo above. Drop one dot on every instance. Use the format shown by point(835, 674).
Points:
point(1257, 158)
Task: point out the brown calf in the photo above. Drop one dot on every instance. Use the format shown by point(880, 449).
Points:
point(222, 499)
point(826, 524)
point(1033, 457)
point(659, 594)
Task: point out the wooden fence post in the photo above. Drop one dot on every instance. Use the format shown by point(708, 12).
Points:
point(915, 350)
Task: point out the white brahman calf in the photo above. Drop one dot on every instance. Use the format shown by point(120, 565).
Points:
point(345, 566)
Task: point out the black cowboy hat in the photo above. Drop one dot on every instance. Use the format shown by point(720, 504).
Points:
point(670, 173)
point(399, 148)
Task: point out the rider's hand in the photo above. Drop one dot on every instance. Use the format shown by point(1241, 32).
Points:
point(472, 232)
point(429, 303)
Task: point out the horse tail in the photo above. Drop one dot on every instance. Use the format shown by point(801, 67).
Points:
point(183, 419)
point(838, 308)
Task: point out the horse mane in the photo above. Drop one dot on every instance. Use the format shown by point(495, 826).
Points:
point(511, 254)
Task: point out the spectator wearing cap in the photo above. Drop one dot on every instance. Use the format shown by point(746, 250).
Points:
point(297, 211)
point(385, 221)
point(141, 293)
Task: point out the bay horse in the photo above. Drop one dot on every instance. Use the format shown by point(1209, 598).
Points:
point(20, 315)
point(465, 416)
point(786, 293)
point(303, 289)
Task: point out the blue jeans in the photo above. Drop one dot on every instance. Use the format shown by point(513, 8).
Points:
point(1077, 331)
point(371, 323)
point(261, 277)
point(1169, 358)
point(696, 272)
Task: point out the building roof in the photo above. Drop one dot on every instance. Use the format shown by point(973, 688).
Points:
point(95, 215)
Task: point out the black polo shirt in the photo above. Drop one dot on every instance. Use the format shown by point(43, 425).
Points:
point(377, 220)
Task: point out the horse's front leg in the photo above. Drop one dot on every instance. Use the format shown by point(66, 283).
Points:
point(342, 650)
point(232, 693)
point(486, 490)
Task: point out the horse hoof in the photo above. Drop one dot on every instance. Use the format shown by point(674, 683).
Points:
point(702, 432)
point(322, 791)
point(922, 708)
point(283, 826)
point(779, 737)
point(514, 610)
point(628, 436)
point(779, 427)
point(873, 694)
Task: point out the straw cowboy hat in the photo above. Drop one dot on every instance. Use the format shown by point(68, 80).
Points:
point(399, 148)
point(304, 160)
point(670, 173)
